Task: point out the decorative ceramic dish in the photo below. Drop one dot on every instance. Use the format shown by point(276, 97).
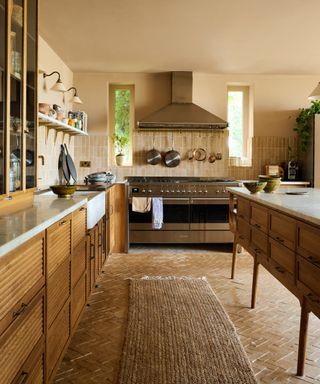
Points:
point(273, 182)
point(254, 186)
point(63, 190)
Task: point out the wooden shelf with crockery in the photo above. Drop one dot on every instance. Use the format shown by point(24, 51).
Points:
point(58, 125)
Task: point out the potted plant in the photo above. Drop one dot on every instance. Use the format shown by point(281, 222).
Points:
point(303, 124)
point(120, 143)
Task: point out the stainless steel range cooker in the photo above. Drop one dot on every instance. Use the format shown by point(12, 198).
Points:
point(195, 210)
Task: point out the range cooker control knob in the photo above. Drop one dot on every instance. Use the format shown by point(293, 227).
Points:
point(143, 191)
point(194, 191)
point(172, 191)
point(218, 191)
point(205, 191)
point(149, 190)
point(178, 191)
point(189, 191)
point(167, 191)
point(161, 190)
point(224, 190)
point(200, 191)
point(183, 191)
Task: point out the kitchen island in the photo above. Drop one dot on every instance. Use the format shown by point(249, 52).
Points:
point(282, 233)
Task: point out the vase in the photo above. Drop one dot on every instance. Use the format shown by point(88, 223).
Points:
point(120, 159)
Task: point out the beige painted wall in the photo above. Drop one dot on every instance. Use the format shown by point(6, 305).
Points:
point(276, 102)
point(48, 142)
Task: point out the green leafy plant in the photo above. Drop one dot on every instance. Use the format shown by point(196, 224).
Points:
point(303, 123)
point(120, 142)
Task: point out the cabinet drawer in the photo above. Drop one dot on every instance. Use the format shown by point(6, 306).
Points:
point(58, 243)
point(308, 242)
point(32, 372)
point(22, 275)
point(58, 290)
point(280, 273)
point(308, 275)
point(282, 256)
point(259, 241)
point(244, 232)
point(243, 208)
point(78, 261)
point(20, 339)
point(283, 229)
point(259, 217)
point(78, 299)
point(79, 225)
point(57, 338)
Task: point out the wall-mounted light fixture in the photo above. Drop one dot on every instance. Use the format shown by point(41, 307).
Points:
point(76, 99)
point(315, 94)
point(58, 85)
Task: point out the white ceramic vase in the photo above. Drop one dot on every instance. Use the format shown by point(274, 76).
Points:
point(120, 159)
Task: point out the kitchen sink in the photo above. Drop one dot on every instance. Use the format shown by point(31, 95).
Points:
point(96, 205)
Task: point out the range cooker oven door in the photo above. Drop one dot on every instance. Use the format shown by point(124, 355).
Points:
point(176, 216)
point(209, 214)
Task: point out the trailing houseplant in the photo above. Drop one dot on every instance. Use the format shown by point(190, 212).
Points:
point(120, 143)
point(303, 123)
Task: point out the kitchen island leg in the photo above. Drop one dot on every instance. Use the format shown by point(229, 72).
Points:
point(304, 321)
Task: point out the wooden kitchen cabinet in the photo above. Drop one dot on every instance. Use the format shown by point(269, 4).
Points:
point(117, 217)
point(259, 217)
point(21, 338)
point(18, 107)
point(283, 229)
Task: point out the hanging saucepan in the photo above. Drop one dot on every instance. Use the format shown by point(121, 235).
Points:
point(200, 154)
point(172, 158)
point(153, 156)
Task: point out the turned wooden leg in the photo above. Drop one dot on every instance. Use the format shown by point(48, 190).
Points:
point(304, 320)
point(234, 258)
point(254, 282)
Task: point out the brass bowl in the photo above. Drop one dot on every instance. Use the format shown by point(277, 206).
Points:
point(273, 182)
point(63, 190)
point(254, 186)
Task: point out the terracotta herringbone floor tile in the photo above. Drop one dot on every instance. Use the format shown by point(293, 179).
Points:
point(269, 333)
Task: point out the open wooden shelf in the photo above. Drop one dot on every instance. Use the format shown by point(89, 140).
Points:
point(59, 126)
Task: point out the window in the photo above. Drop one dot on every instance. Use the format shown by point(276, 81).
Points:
point(122, 118)
point(240, 123)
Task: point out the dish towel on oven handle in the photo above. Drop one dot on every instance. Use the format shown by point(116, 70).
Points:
point(157, 212)
point(141, 204)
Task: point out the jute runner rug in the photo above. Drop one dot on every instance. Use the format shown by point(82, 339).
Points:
point(179, 333)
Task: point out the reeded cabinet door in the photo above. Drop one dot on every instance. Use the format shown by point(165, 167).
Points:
point(3, 76)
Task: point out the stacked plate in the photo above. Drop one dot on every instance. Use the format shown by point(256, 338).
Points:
point(100, 178)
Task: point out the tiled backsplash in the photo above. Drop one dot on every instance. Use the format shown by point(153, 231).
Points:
point(265, 150)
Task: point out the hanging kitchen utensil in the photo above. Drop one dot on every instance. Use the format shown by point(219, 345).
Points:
point(70, 163)
point(200, 154)
point(172, 158)
point(62, 165)
point(212, 158)
point(153, 156)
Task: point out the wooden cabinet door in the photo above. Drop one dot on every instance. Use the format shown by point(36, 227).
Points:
point(79, 225)
point(78, 300)
point(22, 337)
point(58, 290)
point(308, 242)
point(58, 243)
point(282, 255)
point(22, 275)
point(78, 261)
point(57, 338)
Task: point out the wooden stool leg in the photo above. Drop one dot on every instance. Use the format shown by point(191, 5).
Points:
point(254, 282)
point(234, 258)
point(304, 320)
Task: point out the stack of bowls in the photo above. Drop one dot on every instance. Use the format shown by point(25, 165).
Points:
point(273, 182)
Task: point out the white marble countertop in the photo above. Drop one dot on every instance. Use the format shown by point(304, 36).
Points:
point(305, 207)
point(17, 228)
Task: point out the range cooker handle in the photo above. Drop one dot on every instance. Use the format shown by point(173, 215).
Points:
point(209, 201)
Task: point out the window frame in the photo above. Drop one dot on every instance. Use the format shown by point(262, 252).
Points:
point(112, 92)
point(247, 120)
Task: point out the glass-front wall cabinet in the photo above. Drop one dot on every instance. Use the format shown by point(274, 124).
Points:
point(2, 92)
point(18, 95)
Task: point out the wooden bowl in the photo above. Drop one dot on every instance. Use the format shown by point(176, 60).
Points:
point(254, 186)
point(63, 190)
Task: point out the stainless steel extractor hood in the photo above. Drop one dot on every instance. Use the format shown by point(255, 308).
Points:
point(182, 113)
